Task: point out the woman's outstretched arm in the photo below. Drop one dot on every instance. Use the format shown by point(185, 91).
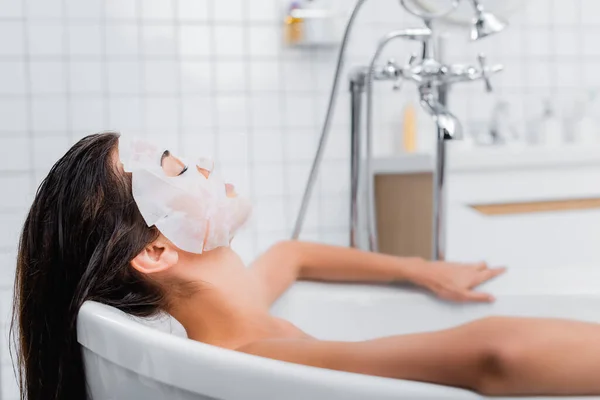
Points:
point(287, 261)
point(493, 356)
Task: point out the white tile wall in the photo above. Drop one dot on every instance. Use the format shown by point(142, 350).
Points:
point(16, 70)
point(86, 77)
point(214, 77)
point(15, 154)
point(35, 9)
point(12, 38)
point(11, 8)
point(89, 9)
point(193, 10)
point(45, 38)
point(14, 113)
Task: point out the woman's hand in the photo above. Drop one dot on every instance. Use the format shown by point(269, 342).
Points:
point(454, 281)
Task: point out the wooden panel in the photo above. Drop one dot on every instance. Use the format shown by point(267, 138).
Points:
point(403, 208)
point(537, 206)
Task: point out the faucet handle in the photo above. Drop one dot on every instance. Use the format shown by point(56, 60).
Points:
point(486, 71)
point(402, 74)
point(412, 59)
point(406, 71)
point(389, 71)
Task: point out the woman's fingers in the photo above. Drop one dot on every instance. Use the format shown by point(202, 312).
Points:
point(486, 275)
point(477, 296)
point(492, 273)
point(482, 266)
point(466, 296)
point(483, 276)
point(459, 288)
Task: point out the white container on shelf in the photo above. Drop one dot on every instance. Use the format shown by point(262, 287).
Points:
point(582, 119)
point(551, 127)
point(311, 23)
point(585, 131)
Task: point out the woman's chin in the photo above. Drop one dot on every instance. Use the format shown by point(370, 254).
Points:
point(230, 191)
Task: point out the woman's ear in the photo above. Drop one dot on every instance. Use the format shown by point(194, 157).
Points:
point(158, 256)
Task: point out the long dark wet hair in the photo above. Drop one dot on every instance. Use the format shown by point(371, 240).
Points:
point(81, 233)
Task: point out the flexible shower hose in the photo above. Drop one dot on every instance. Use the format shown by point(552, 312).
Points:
point(326, 124)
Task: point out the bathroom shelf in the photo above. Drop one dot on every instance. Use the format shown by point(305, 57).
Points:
point(491, 158)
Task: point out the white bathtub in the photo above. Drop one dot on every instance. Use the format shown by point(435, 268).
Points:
point(129, 359)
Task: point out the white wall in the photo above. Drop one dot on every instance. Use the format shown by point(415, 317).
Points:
point(213, 76)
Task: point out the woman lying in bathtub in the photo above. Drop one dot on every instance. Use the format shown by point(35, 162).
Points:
point(86, 239)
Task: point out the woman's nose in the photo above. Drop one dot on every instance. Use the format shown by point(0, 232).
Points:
point(203, 171)
point(205, 166)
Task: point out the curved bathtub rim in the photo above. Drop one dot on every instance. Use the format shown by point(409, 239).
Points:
point(256, 377)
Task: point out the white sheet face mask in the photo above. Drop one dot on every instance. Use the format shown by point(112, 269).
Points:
point(193, 208)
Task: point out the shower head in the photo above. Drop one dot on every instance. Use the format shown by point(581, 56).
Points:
point(447, 122)
point(485, 23)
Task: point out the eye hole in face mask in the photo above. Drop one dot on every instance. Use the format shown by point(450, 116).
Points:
point(171, 165)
